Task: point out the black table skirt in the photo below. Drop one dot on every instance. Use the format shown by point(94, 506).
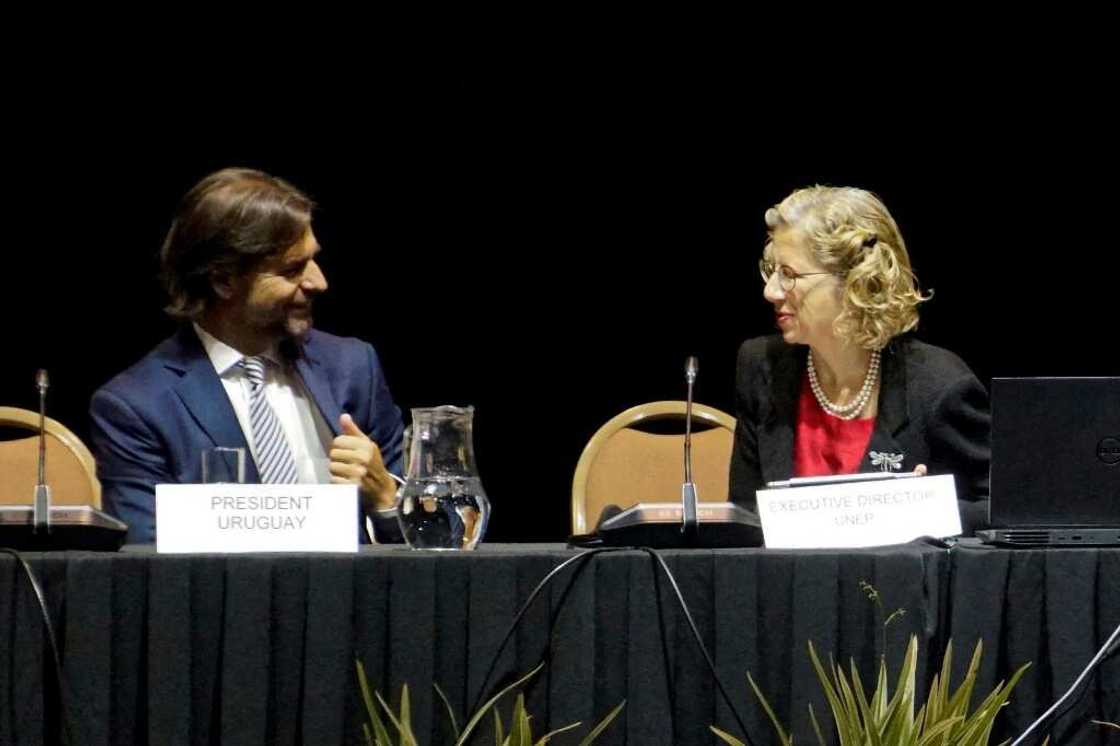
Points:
point(260, 649)
point(1052, 608)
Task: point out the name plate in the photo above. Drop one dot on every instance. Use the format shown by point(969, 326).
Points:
point(256, 518)
point(859, 514)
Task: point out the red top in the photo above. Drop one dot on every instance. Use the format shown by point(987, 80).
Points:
point(824, 444)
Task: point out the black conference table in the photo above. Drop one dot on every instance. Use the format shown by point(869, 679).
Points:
point(260, 649)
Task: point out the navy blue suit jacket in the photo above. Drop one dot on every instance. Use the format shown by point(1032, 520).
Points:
point(151, 422)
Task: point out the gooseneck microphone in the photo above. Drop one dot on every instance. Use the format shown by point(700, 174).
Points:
point(40, 526)
point(688, 489)
point(41, 517)
point(688, 523)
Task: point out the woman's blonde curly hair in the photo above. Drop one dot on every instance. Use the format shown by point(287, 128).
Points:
point(853, 235)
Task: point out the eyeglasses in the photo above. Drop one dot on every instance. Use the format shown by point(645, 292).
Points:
point(787, 277)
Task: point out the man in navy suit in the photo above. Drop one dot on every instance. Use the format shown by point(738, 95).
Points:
point(246, 369)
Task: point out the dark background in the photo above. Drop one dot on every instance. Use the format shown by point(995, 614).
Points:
point(550, 247)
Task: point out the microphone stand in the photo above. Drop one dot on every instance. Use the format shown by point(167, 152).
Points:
point(689, 527)
point(41, 517)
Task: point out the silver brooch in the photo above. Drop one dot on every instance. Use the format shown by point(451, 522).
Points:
point(887, 461)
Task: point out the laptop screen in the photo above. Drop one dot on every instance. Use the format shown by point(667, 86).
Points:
point(1055, 452)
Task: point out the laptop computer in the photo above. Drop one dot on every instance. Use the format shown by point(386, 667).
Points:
point(1055, 474)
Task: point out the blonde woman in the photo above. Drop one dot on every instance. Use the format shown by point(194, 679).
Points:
point(842, 388)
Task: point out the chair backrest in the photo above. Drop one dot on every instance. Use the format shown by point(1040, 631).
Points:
point(71, 471)
point(623, 466)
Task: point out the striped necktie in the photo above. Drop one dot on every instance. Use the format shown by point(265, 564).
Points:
point(274, 456)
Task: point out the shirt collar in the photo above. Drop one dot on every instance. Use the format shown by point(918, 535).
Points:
point(222, 356)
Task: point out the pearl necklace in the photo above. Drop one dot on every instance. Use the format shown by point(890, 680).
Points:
point(852, 409)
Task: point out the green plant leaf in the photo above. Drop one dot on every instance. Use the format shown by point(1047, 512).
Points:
point(938, 731)
point(521, 722)
point(401, 729)
point(928, 714)
point(936, 708)
point(727, 737)
point(879, 698)
point(405, 718)
point(843, 727)
point(985, 715)
point(380, 732)
point(499, 737)
point(548, 736)
point(851, 708)
point(864, 708)
point(782, 735)
point(916, 727)
point(602, 726)
point(860, 694)
point(937, 705)
point(450, 711)
point(897, 721)
point(473, 722)
point(816, 726)
point(976, 729)
point(959, 701)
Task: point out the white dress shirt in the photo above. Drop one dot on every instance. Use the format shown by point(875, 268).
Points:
point(307, 432)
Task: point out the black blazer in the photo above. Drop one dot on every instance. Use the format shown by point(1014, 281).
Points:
point(932, 410)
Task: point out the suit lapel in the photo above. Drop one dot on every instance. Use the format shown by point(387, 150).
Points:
point(894, 412)
point(312, 370)
point(202, 394)
point(779, 419)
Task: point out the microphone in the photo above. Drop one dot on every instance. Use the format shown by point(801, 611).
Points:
point(42, 527)
point(687, 523)
point(41, 517)
point(688, 489)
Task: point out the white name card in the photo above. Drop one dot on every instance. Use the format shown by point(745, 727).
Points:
point(859, 514)
point(256, 518)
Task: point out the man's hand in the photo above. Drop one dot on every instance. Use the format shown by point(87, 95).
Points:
point(355, 459)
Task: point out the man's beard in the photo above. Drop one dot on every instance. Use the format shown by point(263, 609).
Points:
point(289, 325)
point(297, 325)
